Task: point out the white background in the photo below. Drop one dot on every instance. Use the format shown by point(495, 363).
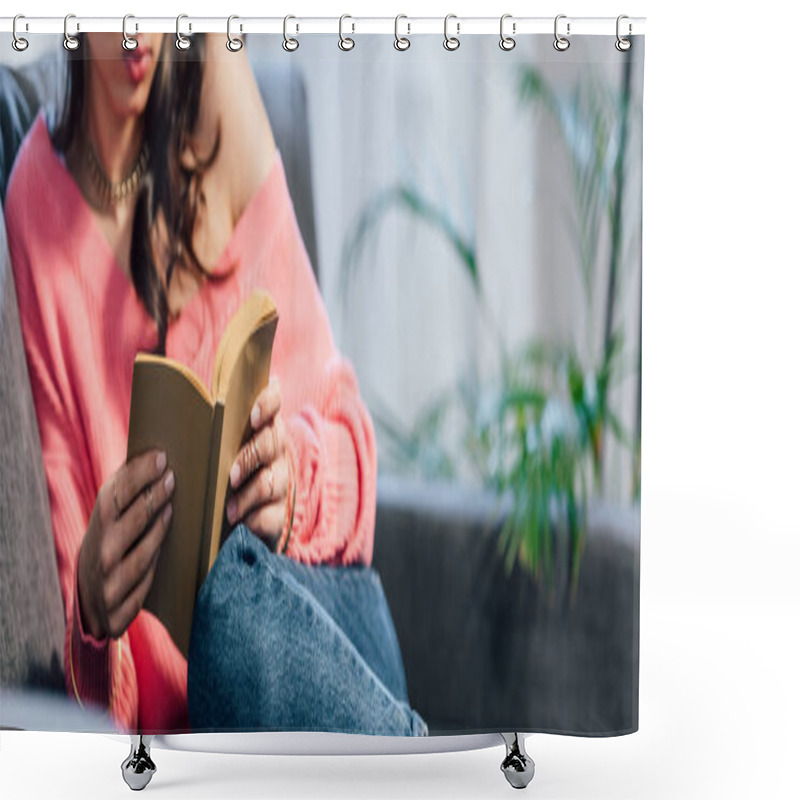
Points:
point(720, 606)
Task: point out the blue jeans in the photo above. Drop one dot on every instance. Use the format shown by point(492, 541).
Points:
point(277, 645)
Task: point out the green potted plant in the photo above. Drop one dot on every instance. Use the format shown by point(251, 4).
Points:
point(538, 430)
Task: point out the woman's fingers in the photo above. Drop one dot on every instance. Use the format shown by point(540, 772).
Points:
point(265, 446)
point(126, 483)
point(268, 485)
point(141, 512)
point(267, 521)
point(114, 556)
point(122, 616)
point(132, 570)
point(267, 404)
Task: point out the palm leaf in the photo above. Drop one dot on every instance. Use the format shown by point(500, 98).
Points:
point(406, 197)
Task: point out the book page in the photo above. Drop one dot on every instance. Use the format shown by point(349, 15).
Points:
point(257, 308)
point(248, 375)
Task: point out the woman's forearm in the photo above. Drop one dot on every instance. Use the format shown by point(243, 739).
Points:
point(231, 103)
point(97, 672)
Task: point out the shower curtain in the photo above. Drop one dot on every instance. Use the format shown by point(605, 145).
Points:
point(410, 505)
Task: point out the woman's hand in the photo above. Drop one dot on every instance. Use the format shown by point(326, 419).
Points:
point(116, 563)
point(260, 472)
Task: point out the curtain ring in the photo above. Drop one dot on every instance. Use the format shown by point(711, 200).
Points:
point(451, 42)
point(345, 42)
point(507, 42)
point(289, 43)
point(400, 42)
point(128, 42)
point(561, 43)
point(181, 42)
point(71, 43)
point(234, 43)
point(19, 44)
point(622, 44)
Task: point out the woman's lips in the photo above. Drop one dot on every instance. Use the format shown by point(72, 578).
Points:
point(137, 62)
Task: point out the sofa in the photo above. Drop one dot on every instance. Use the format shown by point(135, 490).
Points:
point(482, 649)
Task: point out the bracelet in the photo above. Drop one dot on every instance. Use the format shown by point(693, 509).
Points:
point(293, 480)
point(294, 495)
point(71, 665)
point(115, 681)
point(72, 668)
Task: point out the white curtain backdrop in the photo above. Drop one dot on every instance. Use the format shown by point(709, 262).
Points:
point(454, 124)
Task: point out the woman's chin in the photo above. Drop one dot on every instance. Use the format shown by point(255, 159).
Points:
point(133, 103)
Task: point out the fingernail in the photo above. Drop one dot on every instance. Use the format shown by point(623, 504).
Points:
point(231, 510)
point(168, 513)
point(235, 474)
point(255, 415)
point(169, 482)
point(161, 461)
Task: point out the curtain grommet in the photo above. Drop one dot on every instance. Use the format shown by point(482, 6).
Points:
point(234, 43)
point(401, 43)
point(290, 44)
point(19, 43)
point(561, 43)
point(181, 41)
point(128, 42)
point(346, 43)
point(71, 43)
point(622, 44)
point(507, 42)
point(451, 43)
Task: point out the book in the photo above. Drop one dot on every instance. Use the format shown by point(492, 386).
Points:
point(201, 431)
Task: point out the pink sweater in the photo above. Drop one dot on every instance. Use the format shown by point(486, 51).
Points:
point(82, 325)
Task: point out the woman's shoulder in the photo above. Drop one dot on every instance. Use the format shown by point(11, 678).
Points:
point(263, 224)
point(30, 164)
point(35, 188)
point(40, 218)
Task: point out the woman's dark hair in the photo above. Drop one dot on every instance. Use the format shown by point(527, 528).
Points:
point(171, 192)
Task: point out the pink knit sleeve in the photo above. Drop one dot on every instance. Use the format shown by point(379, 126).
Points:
point(333, 447)
point(99, 673)
point(330, 430)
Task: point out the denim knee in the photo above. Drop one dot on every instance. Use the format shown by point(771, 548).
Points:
point(265, 655)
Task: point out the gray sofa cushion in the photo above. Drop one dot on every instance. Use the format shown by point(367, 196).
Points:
point(18, 104)
point(284, 95)
point(32, 618)
point(490, 651)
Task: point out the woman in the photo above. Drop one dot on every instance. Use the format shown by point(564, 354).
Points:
point(141, 222)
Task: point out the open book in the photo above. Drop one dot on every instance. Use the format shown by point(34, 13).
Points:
point(201, 434)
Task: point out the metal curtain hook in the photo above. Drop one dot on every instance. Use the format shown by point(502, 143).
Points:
point(623, 44)
point(451, 42)
point(345, 42)
point(507, 42)
point(181, 42)
point(234, 43)
point(71, 43)
point(400, 42)
point(19, 44)
point(561, 43)
point(289, 43)
point(128, 43)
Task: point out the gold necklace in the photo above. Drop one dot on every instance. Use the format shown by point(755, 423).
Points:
point(111, 193)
